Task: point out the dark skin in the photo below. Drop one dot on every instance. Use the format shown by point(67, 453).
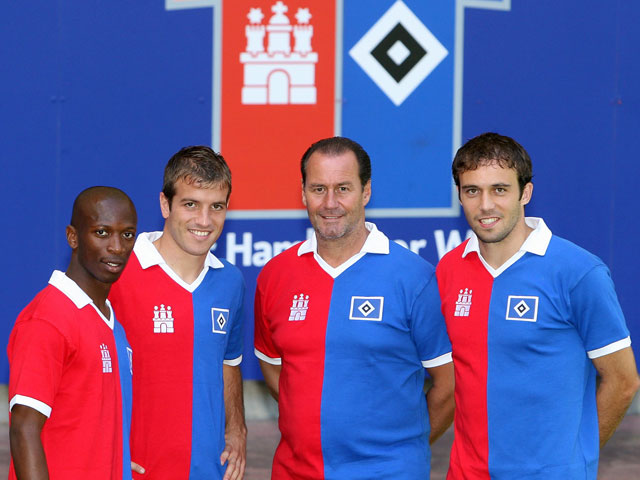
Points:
point(101, 236)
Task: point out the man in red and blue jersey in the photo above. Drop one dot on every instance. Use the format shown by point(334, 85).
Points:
point(345, 325)
point(532, 319)
point(70, 363)
point(182, 310)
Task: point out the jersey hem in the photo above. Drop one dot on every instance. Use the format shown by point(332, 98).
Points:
point(436, 362)
point(611, 348)
point(233, 362)
point(263, 357)
point(37, 405)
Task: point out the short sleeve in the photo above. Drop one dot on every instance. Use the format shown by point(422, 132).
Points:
point(597, 313)
point(264, 348)
point(235, 345)
point(428, 327)
point(37, 353)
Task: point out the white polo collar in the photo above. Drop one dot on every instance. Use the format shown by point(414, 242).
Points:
point(148, 256)
point(78, 296)
point(376, 242)
point(537, 243)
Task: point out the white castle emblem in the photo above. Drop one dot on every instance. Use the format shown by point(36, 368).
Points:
point(299, 307)
point(279, 75)
point(463, 305)
point(162, 319)
point(107, 366)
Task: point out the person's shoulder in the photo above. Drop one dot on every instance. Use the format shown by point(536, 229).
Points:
point(50, 305)
point(283, 258)
point(452, 257)
point(403, 258)
point(229, 269)
point(566, 254)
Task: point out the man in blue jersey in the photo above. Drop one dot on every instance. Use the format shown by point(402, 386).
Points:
point(532, 319)
point(346, 324)
point(70, 379)
point(182, 310)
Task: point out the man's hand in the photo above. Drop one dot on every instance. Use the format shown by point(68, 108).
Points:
point(137, 468)
point(235, 453)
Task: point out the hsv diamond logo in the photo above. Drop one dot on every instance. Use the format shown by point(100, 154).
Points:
point(523, 309)
point(387, 74)
point(398, 52)
point(219, 319)
point(366, 308)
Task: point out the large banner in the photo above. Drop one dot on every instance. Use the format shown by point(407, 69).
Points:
point(103, 93)
point(289, 72)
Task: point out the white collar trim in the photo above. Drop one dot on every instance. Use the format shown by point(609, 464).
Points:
point(78, 296)
point(376, 242)
point(148, 256)
point(537, 243)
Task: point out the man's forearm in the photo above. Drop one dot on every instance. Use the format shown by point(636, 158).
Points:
point(29, 460)
point(613, 400)
point(440, 400)
point(618, 384)
point(233, 400)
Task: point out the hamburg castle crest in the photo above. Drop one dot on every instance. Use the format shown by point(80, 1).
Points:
point(162, 319)
point(463, 305)
point(279, 74)
point(299, 307)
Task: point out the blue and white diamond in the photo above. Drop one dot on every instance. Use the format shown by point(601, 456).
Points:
point(398, 52)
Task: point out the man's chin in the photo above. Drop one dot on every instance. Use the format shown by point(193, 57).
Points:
point(330, 234)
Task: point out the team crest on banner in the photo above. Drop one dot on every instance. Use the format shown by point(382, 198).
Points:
point(387, 74)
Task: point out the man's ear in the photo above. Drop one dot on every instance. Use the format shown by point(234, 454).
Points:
point(304, 200)
point(527, 193)
point(165, 206)
point(72, 236)
point(366, 194)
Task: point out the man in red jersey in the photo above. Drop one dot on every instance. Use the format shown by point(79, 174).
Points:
point(182, 310)
point(70, 378)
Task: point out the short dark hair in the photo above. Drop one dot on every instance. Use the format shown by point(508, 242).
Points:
point(334, 146)
point(492, 147)
point(91, 195)
point(196, 164)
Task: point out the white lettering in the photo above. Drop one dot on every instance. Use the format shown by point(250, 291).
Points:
point(416, 245)
point(254, 254)
point(279, 247)
point(245, 248)
point(264, 253)
point(452, 242)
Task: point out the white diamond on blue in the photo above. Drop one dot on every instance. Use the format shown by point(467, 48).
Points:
point(521, 308)
point(219, 319)
point(398, 52)
point(366, 308)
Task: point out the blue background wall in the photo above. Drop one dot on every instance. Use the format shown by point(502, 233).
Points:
point(98, 92)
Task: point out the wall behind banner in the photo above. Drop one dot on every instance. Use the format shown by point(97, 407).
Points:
point(105, 92)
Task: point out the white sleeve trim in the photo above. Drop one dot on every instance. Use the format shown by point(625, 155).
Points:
point(233, 362)
point(41, 407)
point(264, 358)
point(436, 362)
point(611, 348)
